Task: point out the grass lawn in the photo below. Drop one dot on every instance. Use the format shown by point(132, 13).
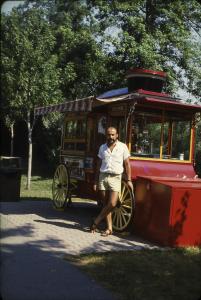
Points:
point(41, 188)
point(167, 274)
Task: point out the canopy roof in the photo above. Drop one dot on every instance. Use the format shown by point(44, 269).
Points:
point(79, 105)
point(140, 97)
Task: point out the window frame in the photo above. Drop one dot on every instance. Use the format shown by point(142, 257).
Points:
point(164, 112)
point(74, 139)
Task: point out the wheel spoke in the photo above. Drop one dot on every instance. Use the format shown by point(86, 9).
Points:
point(118, 219)
point(56, 194)
point(59, 195)
point(126, 206)
point(127, 202)
point(124, 196)
point(124, 211)
point(60, 186)
point(122, 215)
point(121, 223)
point(122, 192)
point(114, 216)
point(58, 172)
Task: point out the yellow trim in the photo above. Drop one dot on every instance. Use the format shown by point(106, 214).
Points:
point(162, 135)
point(75, 140)
point(171, 135)
point(191, 143)
point(161, 150)
point(73, 152)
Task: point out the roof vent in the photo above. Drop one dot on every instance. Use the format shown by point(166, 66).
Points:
point(148, 80)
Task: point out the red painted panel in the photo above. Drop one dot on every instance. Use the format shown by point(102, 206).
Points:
point(158, 227)
point(151, 219)
point(169, 104)
point(185, 218)
point(168, 210)
point(146, 71)
point(145, 92)
point(161, 169)
point(176, 181)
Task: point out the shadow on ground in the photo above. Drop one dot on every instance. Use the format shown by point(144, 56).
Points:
point(78, 212)
point(76, 217)
point(30, 270)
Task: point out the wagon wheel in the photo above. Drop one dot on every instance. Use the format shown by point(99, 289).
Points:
point(60, 186)
point(122, 215)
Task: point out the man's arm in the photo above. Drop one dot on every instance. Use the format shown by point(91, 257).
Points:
point(128, 172)
point(127, 168)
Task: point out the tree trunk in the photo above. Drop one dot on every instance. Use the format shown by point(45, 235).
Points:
point(30, 151)
point(150, 15)
point(11, 138)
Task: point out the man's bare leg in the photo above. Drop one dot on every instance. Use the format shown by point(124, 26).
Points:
point(103, 197)
point(107, 209)
point(113, 201)
point(109, 221)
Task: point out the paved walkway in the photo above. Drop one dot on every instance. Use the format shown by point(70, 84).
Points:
point(34, 240)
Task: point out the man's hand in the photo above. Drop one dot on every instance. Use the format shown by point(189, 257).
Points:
point(130, 184)
point(95, 187)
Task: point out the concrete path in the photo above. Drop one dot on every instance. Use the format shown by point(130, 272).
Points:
point(34, 241)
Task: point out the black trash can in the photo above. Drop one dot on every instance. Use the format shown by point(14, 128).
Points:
point(10, 178)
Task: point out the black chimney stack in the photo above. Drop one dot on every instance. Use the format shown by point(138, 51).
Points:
point(148, 80)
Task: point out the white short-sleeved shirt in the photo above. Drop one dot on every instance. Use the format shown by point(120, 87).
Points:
point(112, 162)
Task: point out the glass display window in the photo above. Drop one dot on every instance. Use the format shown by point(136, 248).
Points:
point(75, 135)
point(75, 129)
point(159, 135)
point(146, 134)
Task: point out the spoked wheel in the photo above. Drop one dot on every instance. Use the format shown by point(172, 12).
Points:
point(60, 186)
point(122, 215)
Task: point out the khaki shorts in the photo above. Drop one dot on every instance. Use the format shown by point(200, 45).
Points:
point(109, 182)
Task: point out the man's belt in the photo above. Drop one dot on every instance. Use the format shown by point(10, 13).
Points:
point(113, 174)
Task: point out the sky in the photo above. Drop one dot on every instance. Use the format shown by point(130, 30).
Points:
point(7, 6)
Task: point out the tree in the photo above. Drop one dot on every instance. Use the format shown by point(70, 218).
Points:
point(81, 57)
point(153, 34)
point(30, 76)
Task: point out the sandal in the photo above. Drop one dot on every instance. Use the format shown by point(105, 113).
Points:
point(93, 227)
point(107, 232)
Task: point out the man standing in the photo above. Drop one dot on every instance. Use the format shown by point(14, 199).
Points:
point(112, 158)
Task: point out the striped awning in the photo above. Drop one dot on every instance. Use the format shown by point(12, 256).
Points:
point(86, 104)
point(79, 105)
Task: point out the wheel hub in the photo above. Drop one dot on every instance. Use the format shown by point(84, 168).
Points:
point(118, 204)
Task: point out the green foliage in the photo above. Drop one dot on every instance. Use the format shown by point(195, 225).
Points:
point(157, 34)
point(47, 139)
point(81, 58)
point(29, 73)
